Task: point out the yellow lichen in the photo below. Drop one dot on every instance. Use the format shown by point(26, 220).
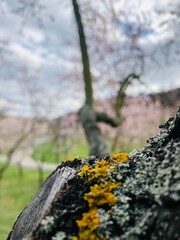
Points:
point(100, 170)
point(100, 194)
point(87, 225)
point(90, 218)
point(120, 157)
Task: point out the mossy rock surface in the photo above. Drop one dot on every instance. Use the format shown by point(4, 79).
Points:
point(141, 198)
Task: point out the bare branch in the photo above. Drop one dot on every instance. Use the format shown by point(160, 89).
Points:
point(121, 92)
point(104, 117)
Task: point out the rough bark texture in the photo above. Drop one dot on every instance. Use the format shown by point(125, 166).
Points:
point(148, 198)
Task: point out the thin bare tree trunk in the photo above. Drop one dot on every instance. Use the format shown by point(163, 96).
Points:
point(13, 149)
point(87, 113)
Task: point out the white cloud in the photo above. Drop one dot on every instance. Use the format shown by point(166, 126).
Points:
point(25, 55)
point(34, 35)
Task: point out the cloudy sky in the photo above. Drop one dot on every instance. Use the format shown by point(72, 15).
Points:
point(39, 50)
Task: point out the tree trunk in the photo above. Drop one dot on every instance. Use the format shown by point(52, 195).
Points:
point(84, 54)
point(93, 134)
point(147, 203)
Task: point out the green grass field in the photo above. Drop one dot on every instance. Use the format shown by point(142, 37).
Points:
point(15, 193)
point(46, 152)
